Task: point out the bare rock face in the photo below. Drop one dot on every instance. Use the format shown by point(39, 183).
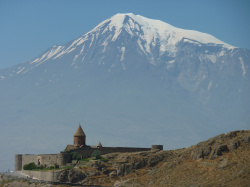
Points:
point(71, 176)
point(201, 152)
point(63, 177)
point(246, 138)
point(113, 174)
point(221, 149)
point(76, 176)
point(217, 146)
point(234, 144)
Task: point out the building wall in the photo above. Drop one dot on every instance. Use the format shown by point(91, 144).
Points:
point(48, 159)
point(87, 151)
point(26, 159)
point(18, 162)
point(21, 160)
point(43, 175)
point(64, 157)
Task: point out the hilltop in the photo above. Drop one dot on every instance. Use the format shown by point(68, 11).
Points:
point(223, 160)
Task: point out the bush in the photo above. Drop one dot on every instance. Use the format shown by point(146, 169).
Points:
point(76, 156)
point(56, 165)
point(96, 154)
point(41, 167)
point(51, 167)
point(30, 166)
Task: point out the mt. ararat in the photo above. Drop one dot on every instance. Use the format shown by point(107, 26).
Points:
point(131, 81)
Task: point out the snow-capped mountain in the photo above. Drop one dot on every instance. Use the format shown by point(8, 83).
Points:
point(152, 38)
point(131, 81)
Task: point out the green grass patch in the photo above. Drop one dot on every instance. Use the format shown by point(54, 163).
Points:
point(104, 159)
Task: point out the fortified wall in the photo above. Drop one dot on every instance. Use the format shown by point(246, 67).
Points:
point(80, 147)
point(48, 159)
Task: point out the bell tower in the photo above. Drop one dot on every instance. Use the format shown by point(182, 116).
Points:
point(79, 137)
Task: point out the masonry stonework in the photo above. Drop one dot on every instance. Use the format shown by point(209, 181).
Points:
point(80, 147)
point(18, 162)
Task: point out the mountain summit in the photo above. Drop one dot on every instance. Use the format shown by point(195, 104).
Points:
point(131, 81)
point(152, 38)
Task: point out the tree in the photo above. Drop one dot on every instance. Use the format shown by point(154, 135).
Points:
point(30, 166)
point(96, 154)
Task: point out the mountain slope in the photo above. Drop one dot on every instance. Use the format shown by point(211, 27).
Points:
point(131, 81)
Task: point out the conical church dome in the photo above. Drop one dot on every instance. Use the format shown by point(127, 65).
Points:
point(79, 132)
point(99, 144)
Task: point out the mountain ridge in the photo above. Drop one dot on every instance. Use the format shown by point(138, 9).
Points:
point(118, 22)
point(199, 91)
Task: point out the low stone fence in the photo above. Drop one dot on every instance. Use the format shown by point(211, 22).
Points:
point(43, 175)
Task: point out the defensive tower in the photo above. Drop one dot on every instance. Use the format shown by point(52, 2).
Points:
point(18, 162)
point(79, 137)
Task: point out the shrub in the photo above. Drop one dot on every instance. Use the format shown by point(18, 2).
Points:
point(41, 167)
point(30, 166)
point(96, 154)
point(51, 167)
point(76, 156)
point(85, 159)
point(56, 165)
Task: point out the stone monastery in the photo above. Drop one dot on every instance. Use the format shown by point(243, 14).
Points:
point(80, 147)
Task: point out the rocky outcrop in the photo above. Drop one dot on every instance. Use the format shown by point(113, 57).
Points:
point(218, 145)
point(137, 161)
point(71, 176)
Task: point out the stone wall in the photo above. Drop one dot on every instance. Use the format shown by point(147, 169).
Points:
point(26, 159)
point(87, 151)
point(48, 159)
point(18, 162)
point(43, 175)
point(154, 147)
point(63, 158)
point(21, 160)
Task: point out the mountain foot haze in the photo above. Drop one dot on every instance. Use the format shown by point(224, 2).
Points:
point(131, 81)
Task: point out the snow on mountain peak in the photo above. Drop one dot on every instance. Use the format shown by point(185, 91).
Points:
point(147, 32)
point(156, 29)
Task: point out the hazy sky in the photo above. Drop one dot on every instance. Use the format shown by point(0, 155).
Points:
point(29, 27)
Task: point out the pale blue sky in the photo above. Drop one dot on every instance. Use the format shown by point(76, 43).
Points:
point(29, 27)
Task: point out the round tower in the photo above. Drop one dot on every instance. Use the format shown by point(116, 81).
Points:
point(18, 162)
point(63, 158)
point(79, 137)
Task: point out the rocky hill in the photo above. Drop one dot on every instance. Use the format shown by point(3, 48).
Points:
point(220, 161)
